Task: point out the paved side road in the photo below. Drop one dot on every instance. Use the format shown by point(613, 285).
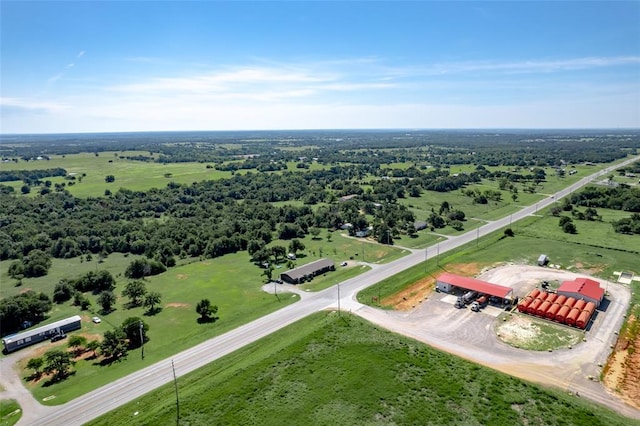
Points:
point(128, 388)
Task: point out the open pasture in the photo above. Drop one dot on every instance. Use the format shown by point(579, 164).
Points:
point(327, 370)
point(129, 174)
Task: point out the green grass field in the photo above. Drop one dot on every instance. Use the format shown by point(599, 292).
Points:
point(231, 282)
point(10, 412)
point(327, 370)
point(115, 263)
point(134, 175)
point(342, 247)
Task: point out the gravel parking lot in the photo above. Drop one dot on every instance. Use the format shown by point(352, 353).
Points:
point(471, 335)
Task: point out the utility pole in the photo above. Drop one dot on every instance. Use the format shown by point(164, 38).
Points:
point(175, 382)
point(477, 236)
point(425, 260)
point(339, 314)
point(438, 254)
point(142, 340)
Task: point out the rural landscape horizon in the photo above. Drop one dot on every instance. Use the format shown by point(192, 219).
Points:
point(319, 213)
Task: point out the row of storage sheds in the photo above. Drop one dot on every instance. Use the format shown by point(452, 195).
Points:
point(448, 282)
point(558, 307)
point(301, 273)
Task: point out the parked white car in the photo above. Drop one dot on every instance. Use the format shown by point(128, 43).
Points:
point(96, 320)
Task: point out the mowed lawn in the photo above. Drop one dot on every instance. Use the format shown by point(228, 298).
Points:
point(327, 370)
point(230, 282)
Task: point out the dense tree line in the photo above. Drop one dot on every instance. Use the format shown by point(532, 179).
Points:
point(29, 307)
point(30, 175)
point(620, 197)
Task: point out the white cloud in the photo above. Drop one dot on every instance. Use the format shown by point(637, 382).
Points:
point(32, 104)
point(532, 66)
point(80, 54)
point(358, 93)
point(55, 78)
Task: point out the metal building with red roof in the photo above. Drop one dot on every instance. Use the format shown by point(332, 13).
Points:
point(446, 282)
point(583, 289)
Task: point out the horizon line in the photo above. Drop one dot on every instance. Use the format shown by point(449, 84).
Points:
point(354, 129)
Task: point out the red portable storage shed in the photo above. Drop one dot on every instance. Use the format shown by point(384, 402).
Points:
point(524, 303)
point(590, 307)
point(561, 316)
point(533, 307)
point(543, 308)
point(580, 304)
point(572, 316)
point(583, 319)
point(557, 304)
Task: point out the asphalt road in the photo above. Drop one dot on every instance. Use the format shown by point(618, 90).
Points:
point(111, 396)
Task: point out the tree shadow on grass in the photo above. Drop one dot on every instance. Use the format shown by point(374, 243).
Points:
point(131, 305)
point(207, 320)
point(34, 377)
point(152, 312)
point(105, 362)
point(57, 379)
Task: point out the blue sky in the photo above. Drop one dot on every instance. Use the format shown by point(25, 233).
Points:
point(211, 65)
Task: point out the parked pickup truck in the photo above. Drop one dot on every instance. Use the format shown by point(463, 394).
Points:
point(479, 303)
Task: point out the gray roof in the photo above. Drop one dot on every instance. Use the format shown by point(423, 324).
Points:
point(308, 269)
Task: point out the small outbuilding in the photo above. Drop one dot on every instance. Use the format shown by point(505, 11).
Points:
point(301, 273)
point(419, 225)
point(543, 260)
point(583, 289)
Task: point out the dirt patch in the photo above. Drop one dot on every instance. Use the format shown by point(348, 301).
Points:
point(412, 295)
point(622, 374)
point(517, 330)
point(591, 270)
point(177, 305)
point(182, 276)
